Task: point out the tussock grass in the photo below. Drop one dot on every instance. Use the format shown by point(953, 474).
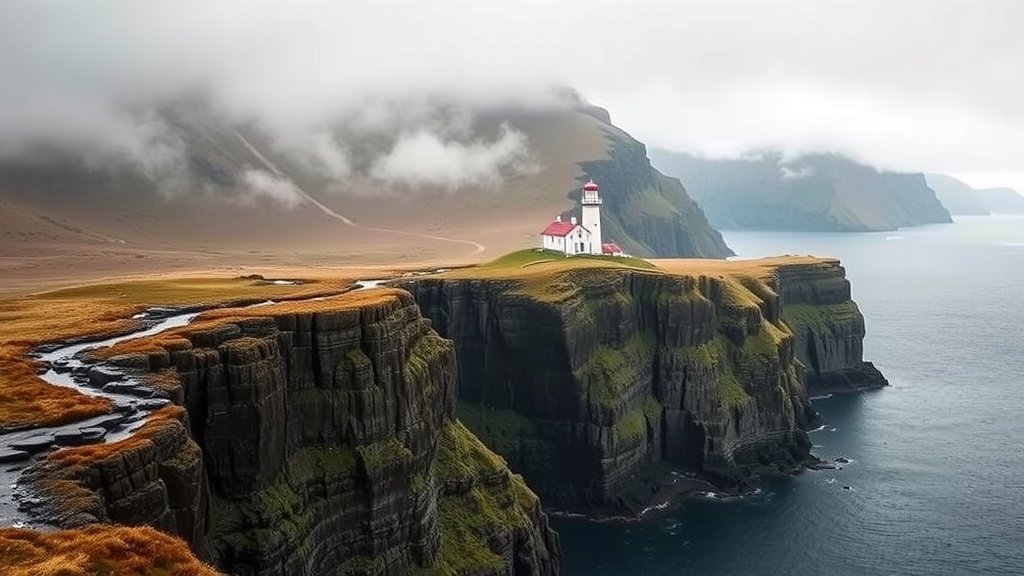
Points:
point(760, 268)
point(157, 422)
point(176, 338)
point(97, 550)
point(100, 310)
point(551, 276)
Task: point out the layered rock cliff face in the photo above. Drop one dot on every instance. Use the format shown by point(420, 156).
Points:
point(590, 385)
point(828, 328)
point(317, 438)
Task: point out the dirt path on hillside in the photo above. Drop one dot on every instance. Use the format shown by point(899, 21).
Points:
point(478, 248)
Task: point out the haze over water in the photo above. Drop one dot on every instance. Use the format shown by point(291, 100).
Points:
point(936, 483)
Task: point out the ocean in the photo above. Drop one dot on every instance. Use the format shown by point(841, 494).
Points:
point(935, 485)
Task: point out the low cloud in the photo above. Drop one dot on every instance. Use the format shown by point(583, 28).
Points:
point(424, 158)
point(260, 183)
point(912, 85)
point(790, 173)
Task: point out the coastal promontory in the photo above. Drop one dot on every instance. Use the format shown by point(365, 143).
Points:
point(813, 192)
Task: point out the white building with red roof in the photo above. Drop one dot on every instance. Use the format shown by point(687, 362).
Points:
point(570, 237)
point(573, 237)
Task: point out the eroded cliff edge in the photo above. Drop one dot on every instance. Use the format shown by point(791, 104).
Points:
point(590, 380)
point(314, 438)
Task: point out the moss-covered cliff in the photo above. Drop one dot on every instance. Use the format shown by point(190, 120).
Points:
point(827, 192)
point(646, 212)
point(589, 378)
point(317, 438)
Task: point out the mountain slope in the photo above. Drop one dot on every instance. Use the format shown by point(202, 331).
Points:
point(1002, 200)
point(956, 196)
point(825, 192)
point(242, 197)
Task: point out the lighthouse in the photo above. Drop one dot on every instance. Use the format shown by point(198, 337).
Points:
point(591, 207)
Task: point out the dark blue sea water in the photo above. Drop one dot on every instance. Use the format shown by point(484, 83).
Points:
point(937, 478)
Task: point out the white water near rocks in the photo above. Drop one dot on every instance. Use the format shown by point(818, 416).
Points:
point(933, 478)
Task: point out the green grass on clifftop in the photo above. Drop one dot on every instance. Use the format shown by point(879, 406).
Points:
point(535, 256)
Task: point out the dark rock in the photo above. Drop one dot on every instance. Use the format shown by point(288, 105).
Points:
point(129, 389)
point(588, 394)
point(324, 439)
point(101, 376)
point(33, 444)
point(8, 455)
point(93, 435)
point(842, 460)
point(69, 437)
point(110, 422)
point(150, 404)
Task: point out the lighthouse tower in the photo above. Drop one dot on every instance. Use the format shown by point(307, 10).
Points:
point(591, 203)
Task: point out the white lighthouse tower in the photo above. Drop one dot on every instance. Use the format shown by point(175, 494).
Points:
point(591, 204)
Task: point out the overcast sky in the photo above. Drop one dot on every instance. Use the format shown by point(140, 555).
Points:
point(922, 85)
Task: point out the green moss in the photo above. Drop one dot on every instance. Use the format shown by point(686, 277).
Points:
point(725, 361)
point(467, 522)
point(422, 356)
point(358, 358)
point(802, 317)
point(733, 394)
point(610, 372)
point(418, 483)
point(461, 455)
point(360, 566)
point(763, 345)
point(498, 428)
point(631, 426)
point(382, 453)
point(279, 513)
point(652, 409)
point(706, 356)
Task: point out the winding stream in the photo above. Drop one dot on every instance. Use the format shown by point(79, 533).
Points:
point(68, 365)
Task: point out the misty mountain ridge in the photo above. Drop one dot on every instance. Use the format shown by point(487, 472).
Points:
point(958, 197)
point(961, 198)
point(811, 192)
point(1002, 200)
point(392, 184)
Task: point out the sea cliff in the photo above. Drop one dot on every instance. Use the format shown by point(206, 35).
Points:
point(310, 438)
point(813, 192)
point(592, 380)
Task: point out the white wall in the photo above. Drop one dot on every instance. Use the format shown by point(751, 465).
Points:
point(568, 244)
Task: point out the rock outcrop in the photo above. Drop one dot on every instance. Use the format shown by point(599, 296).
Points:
point(317, 438)
point(589, 381)
point(647, 213)
point(828, 328)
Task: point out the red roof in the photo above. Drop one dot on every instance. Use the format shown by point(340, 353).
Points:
point(559, 229)
point(591, 185)
point(610, 248)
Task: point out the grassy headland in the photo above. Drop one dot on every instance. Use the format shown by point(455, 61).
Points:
point(101, 310)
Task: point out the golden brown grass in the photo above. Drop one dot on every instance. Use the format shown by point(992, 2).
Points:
point(156, 423)
point(102, 310)
point(97, 551)
point(68, 470)
point(176, 338)
point(548, 277)
point(760, 268)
